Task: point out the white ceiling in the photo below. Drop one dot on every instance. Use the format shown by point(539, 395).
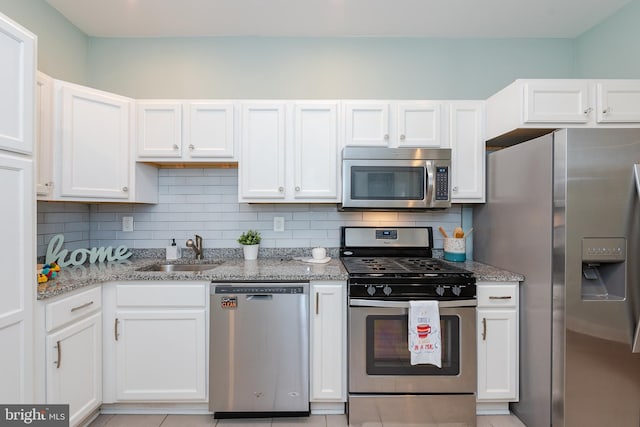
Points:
point(337, 18)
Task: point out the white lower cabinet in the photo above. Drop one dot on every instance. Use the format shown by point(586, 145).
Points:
point(497, 326)
point(328, 314)
point(155, 341)
point(73, 355)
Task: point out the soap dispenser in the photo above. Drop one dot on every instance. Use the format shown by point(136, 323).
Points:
point(173, 251)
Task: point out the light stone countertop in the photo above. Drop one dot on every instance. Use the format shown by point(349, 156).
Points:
point(229, 269)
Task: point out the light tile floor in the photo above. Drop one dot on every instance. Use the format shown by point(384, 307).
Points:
point(208, 421)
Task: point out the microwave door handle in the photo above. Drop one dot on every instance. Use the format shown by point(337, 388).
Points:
point(431, 176)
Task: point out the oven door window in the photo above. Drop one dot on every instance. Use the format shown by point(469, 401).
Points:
point(388, 349)
point(388, 183)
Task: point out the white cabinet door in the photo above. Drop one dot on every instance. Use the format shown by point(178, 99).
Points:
point(328, 341)
point(209, 130)
point(556, 101)
point(418, 124)
point(497, 358)
point(95, 143)
point(17, 77)
point(366, 124)
point(160, 355)
point(618, 101)
point(262, 159)
point(43, 135)
point(497, 320)
point(315, 149)
point(159, 129)
point(17, 264)
point(74, 367)
point(466, 130)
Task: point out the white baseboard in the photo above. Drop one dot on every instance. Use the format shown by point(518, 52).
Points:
point(492, 408)
point(327, 408)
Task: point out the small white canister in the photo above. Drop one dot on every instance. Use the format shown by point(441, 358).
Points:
point(455, 249)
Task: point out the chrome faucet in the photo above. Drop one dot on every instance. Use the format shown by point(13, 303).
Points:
point(197, 246)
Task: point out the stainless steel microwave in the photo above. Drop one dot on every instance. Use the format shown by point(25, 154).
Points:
point(396, 178)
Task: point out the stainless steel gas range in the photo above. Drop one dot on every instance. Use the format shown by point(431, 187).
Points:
point(389, 267)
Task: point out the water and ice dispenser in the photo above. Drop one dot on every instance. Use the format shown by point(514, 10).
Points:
point(604, 263)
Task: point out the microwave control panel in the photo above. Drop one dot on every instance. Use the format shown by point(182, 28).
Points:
point(442, 183)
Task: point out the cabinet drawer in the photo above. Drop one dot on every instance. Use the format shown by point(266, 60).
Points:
point(503, 295)
point(171, 294)
point(66, 310)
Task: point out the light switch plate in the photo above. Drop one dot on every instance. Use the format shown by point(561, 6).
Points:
point(278, 223)
point(127, 223)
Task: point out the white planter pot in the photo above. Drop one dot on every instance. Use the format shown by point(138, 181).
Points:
point(250, 251)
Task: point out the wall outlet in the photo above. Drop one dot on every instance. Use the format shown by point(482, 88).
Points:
point(278, 223)
point(127, 223)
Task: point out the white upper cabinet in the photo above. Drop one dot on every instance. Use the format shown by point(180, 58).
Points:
point(419, 124)
point(618, 101)
point(289, 152)
point(393, 124)
point(541, 104)
point(94, 135)
point(185, 131)
point(17, 74)
point(467, 141)
point(367, 124)
point(315, 148)
point(85, 146)
point(209, 130)
point(159, 129)
point(262, 156)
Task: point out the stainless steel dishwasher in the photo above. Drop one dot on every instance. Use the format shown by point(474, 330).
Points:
point(259, 349)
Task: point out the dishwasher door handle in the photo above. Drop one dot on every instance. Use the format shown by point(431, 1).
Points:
point(259, 297)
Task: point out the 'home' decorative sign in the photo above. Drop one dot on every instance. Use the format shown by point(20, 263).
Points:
point(55, 253)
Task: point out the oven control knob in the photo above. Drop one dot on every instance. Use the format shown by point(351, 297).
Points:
point(440, 290)
point(387, 290)
point(456, 290)
point(371, 290)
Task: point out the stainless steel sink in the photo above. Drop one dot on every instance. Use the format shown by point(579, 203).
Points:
point(179, 267)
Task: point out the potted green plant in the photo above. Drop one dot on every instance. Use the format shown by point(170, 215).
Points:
point(250, 241)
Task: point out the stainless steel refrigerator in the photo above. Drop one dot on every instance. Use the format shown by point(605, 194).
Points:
point(564, 210)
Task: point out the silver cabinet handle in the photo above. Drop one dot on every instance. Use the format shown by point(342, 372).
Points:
point(297, 188)
point(454, 189)
point(606, 110)
point(386, 137)
point(402, 137)
point(80, 307)
point(281, 189)
point(484, 329)
point(317, 303)
point(503, 297)
point(116, 329)
point(191, 147)
point(588, 110)
point(59, 347)
point(175, 146)
point(125, 189)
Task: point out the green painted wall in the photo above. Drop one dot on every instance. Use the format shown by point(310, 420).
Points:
point(62, 47)
point(612, 48)
point(255, 67)
point(387, 68)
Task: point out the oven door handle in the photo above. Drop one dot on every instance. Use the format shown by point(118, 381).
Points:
point(405, 304)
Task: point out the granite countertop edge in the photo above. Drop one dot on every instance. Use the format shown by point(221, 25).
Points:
point(229, 269)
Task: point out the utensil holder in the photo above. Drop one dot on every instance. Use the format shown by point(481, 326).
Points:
point(455, 249)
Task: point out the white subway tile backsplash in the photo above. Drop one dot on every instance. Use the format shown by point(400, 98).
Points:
point(205, 202)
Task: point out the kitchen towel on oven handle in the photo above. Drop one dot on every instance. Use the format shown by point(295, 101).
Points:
point(424, 333)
